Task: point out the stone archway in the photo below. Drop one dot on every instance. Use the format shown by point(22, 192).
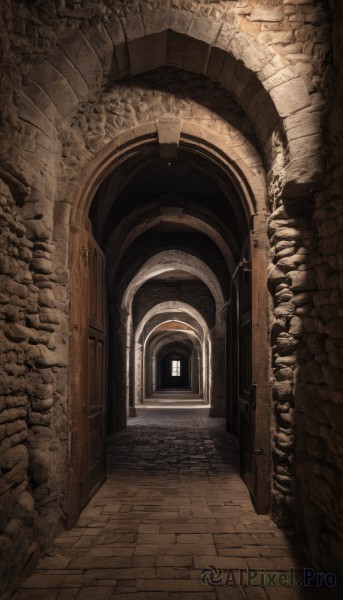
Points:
point(174, 340)
point(154, 319)
point(170, 261)
point(259, 269)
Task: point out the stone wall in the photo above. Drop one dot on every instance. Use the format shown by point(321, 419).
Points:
point(18, 308)
point(32, 424)
point(319, 382)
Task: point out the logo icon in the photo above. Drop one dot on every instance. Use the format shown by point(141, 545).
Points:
point(212, 576)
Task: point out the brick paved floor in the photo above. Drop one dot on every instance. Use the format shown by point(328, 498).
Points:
point(173, 503)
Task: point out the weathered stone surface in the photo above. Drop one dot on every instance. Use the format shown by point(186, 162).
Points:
point(296, 327)
point(284, 309)
point(56, 86)
point(276, 275)
point(290, 96)
point(302, 280)
point(82, 55)
point(283, 391)
point(272, 14)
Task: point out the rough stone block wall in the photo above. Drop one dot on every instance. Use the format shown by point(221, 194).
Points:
point(32, 423)
point(299, 32)
point(319, 381)
point(18, 308)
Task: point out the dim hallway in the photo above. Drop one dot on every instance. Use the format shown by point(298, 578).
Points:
point(171, 193)
point(174, 503)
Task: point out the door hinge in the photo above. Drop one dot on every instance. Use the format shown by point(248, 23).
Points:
point(85, 256)
point(246, 265)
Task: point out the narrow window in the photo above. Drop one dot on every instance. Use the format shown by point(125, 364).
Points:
point(175, 368)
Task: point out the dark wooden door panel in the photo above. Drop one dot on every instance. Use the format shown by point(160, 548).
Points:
point(96, 411)
point(96, 401)
point(97, 290)
point(88, 380)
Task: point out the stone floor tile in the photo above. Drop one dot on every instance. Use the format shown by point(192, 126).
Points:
point(142, 596)
point(174, 561)
point(54, 562)
point(41, 580)
point(202, 539)
point(184, 528)
point(230, 593)
point(156, 538)
point(144, 561)
point(210, 595)
point(68, 594)
point(108, 551)
point(177, 549)
point(169, 585)
point(37, 594)
point(96, 593)
point(255, 593)
point(151, 528)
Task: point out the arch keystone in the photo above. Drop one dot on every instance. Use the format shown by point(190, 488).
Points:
point(169, 130)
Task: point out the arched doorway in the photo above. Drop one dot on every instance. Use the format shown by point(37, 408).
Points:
point(214, 279)
point(162, 325)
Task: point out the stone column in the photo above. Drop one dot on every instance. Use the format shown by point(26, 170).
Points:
point(217, 372)
point(138, 374)
point(195, 371)
point(130, 368)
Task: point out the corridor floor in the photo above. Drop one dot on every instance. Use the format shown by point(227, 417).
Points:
point(173, 504)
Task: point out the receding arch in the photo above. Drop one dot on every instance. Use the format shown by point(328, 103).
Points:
point(189, 328)
point(130, 234)
point(159, 342)
point(175, 307)
point(170, 260)
point(159, 314)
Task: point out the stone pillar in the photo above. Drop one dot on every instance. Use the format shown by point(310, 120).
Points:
point(217, 366)
point(125, 360)
point(152, 375)
point(130, 373)
point(138, 374)
point(116, 393)
point(195, 371)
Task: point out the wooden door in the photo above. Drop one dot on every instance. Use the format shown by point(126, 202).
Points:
point(88, 368)
point(94, 422)
point(246, 388)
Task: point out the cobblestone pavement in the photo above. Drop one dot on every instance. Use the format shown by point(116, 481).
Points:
point(173, 503)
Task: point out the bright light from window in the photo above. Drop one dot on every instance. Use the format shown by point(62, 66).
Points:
point(175, 368)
